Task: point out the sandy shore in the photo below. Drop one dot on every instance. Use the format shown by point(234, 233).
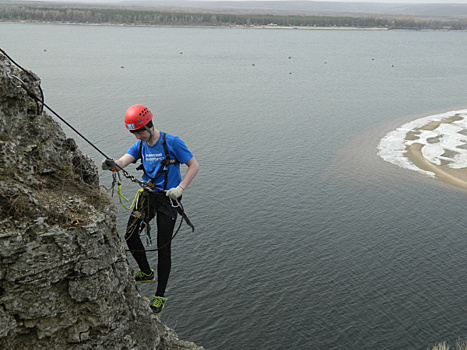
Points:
point(444, 173)
point(311, 27)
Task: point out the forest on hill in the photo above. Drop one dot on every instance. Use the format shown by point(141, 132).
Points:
point(193, 17)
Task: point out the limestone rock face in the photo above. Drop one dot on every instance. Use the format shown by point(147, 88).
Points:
point(64, 279)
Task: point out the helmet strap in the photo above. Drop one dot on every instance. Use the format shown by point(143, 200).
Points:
point(150, 130)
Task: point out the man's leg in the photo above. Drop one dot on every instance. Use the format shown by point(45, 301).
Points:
point(133, 239)
point(165, 228)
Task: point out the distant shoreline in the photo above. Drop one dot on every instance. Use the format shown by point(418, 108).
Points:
point(233, 27)
point(173, 14)
point(236, 26)
point(198, 26)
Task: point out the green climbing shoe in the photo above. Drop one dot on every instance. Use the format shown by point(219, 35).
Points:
point(141, 277)
point(158, 304)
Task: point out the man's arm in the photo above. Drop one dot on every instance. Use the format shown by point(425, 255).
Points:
point(125, 160)
point(190, 173)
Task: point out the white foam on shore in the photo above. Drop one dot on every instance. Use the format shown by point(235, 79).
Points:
point(447, 143)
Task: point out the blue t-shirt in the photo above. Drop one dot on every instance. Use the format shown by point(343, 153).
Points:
point(153, 155)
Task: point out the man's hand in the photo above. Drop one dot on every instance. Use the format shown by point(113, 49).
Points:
point(174, 193)
point(108, 164)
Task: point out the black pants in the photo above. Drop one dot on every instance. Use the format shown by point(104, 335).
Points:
point(152, 204)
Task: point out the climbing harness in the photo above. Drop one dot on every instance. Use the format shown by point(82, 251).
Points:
point(40, 104)
point(165, 162)
point(139, 213)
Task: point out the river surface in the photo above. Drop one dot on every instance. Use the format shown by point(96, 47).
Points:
point(305, 238)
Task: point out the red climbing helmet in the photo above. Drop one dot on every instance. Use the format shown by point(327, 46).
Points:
point(137, 117)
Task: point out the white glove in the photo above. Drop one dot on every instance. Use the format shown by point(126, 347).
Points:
point(108, 164)
point(174, 193)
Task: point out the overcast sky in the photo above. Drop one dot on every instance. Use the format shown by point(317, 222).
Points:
point(381, 1)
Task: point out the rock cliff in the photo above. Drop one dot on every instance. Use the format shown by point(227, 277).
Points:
point(64, 279)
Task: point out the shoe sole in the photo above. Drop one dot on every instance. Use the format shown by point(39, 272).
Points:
point(146, 281)
point(155, 312)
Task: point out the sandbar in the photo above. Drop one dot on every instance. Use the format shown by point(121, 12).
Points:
point(443, 172)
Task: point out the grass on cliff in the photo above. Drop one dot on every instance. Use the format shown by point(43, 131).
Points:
point(63, 197)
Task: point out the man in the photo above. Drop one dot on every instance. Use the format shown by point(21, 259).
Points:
point(161, 155)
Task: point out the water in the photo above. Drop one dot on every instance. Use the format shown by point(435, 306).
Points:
point(305, 238)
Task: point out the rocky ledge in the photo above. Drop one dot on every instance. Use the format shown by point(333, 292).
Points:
point(65, 282)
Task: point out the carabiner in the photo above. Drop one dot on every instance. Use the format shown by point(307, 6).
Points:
point(174, 203)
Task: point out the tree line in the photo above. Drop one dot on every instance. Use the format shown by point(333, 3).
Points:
point(181, 18)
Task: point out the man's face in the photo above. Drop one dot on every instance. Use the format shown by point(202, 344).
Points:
point(142, 135)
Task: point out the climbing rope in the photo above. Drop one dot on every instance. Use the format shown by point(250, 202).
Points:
point(40, 100)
